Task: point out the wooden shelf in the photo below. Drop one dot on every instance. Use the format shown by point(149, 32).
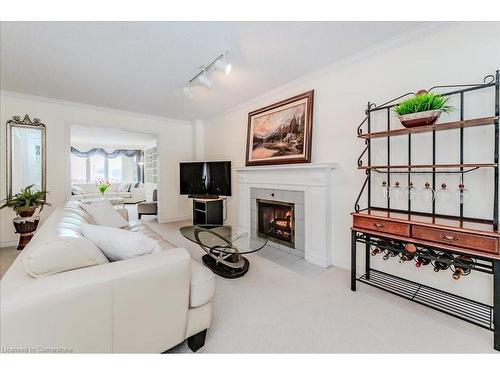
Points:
point(430, 166)
point(429, 128)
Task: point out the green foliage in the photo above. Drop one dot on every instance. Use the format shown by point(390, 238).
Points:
point(26, 199)
point(102, 185)
point(422, 103)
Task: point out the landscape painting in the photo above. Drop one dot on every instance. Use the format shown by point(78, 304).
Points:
point(281, 133)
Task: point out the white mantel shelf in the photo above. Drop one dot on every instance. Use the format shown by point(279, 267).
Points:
point(288, 167)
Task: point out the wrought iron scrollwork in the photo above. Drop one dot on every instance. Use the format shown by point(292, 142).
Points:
point(356, 205)
point(360, 159)
point(487, 80)
point(25, 121)
point(360, 129)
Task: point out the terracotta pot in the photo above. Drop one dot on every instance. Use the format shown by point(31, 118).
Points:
point(420, 118)
point(28, 212)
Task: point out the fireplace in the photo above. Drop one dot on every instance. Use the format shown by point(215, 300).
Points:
point(276, 221)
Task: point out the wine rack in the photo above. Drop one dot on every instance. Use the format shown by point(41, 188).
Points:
point(455, 244)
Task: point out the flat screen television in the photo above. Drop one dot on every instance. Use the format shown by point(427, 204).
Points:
point(210, 178)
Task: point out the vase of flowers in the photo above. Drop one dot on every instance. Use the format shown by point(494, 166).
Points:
point(102, 186)
point(26, 201)
point(423, 109)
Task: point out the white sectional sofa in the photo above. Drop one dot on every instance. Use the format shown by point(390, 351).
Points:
point(145, 304)
point(132, 195)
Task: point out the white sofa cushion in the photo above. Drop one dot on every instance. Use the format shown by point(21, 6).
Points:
point(123, 188)
point(119, 244)
point(55, 255)
point(77, 190)
point(202, 286)
point(104, 214)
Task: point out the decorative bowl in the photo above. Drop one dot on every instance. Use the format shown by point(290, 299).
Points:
point(420, 118)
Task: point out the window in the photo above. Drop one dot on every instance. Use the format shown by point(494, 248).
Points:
point(78, 170)
point(97, 168)
point(115, 170)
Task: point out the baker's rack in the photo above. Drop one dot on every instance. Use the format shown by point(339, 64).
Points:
point(477, 313)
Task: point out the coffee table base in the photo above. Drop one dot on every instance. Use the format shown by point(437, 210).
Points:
point(223, 270)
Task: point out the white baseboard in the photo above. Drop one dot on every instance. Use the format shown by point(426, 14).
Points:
point(174, 219)
point(8, 243)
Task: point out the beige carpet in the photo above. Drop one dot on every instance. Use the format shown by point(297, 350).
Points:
point(285, 305)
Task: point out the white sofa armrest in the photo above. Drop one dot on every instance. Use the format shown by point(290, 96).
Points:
point(123, 212)
point(135, 305)
point(136, 195)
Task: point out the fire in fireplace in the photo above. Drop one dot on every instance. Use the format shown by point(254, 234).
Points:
point(276, 221)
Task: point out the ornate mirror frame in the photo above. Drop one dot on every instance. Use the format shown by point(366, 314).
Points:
point(25, 123)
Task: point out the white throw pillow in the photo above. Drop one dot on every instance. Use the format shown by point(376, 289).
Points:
point(77, 190)
point(123, 188)
point(103, 213)
point(119, 244)
point(61, 254)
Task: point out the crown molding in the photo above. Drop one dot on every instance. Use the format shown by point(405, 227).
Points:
point(49, 100)
point(408, 36)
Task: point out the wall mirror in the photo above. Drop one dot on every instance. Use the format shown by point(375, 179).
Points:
point(25, 154)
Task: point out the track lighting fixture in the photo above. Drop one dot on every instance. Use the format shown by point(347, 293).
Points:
point(204, 80)
point(222, 66)
point(187, 92)
point(201, 77)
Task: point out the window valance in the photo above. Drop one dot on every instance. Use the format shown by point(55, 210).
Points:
point(109, 155)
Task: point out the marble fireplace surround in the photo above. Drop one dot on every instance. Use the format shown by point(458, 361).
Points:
point(315, 180)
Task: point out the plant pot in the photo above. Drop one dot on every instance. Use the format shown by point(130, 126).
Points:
point(27, 212)
point(420, 118)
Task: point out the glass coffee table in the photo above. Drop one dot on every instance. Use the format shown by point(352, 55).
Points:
point(224, 246)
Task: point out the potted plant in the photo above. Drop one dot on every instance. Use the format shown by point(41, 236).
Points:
point(26, 201)
point(102, 186)
point(423, 109)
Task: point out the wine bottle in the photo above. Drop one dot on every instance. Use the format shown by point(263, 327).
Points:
point(405, 257)
point(443, 262)
point(462, 266)
point(423, 261)
point(393, 250)
point(379, 247)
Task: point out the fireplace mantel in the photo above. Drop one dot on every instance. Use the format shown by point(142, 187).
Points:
point(315, 180)
point(288, 167)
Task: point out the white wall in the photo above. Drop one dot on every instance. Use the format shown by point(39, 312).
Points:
point(463, 53)
point(174, 143)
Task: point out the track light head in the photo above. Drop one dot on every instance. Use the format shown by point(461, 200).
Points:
point(222, 66)
point(187, 92)
point(204, 80)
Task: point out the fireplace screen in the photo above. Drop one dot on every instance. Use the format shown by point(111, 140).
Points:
point(276, 221)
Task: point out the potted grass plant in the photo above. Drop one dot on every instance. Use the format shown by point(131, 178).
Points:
point(423, 109)
point(26, 201)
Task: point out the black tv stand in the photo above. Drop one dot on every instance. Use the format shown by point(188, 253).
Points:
point(206, 197)
point(208, 211)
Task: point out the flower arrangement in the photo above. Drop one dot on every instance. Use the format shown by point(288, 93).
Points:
point(26, 201)
point(102, 186)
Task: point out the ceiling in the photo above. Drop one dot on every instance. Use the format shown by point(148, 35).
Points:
point(109, 138)
point(143, 66)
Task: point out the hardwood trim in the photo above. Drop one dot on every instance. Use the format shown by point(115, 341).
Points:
point(429, 128)
point(421, 166)
point(430, 225)
point(456, 238)
point(479, 254)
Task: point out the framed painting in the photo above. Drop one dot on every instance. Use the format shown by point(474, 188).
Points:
point(281, 133)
